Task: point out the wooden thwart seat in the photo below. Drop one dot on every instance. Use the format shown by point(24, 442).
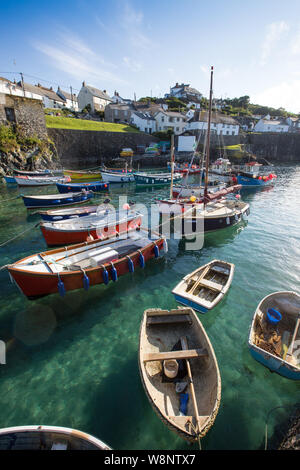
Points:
point(167, 319)
point(186, 354)
point(211, 285)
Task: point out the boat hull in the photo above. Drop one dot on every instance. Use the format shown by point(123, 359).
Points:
point(52, 216)
point(253, 182)
point(117, 177)
point(39, 181)
point(190, 303)
point(82, 175)
point(36, 202)
point(154, 180)
point(37, 284)
point(10, 179)
point(74, 187)
point(56, 237)
point(273, 364)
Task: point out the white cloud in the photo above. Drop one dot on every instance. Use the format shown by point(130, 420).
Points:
point(71, 55)
point(283, 95)
point(274, 33)
point(132, 23)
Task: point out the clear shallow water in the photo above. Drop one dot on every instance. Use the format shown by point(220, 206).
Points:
point(73, 361)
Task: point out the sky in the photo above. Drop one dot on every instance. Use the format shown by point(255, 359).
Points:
point(142, 48)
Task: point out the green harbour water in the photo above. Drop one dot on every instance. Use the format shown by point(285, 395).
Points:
point(73, 361)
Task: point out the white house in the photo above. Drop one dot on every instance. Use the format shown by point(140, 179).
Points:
point(185, 91)
point(12, 88)
point(97, 99)
point(117, 99)
point(49, 97)
point(271, 125)
point(170, 120)
point(69, 99)
point(144, 121)
point(220, 124)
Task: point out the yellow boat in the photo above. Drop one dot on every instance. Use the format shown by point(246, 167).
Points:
point(126, 152)
point(83, 175)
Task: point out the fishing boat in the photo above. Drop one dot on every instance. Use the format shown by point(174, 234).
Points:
point(217, 211)
point(48, 438)
point(96, 226)
point(85, 264)
point(82, 175)
point(205, 287)
point(188, 190)
point(38, 173)
point(95, 186)
point(222, 169)
point(182, 204)
point(155, 179)
point(116, 176)
point(274, 336)
point(179, 371)
point(250, 176)
point(56, 200)
point(9, 179)
point(23, 180)
point(70, 213)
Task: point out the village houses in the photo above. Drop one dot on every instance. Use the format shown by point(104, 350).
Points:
point(97, 99)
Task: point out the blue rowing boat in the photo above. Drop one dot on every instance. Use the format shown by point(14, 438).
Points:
point(10, 179)
point(56, 200)
point(74, 187)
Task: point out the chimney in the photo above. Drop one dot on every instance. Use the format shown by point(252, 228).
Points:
point(83, 83)
point(104, 91)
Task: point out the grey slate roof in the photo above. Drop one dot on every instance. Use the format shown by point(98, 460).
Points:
point(98, 93)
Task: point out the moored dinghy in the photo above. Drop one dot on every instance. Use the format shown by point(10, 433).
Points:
point(56, 200)
point(85, 264)
point(275, 334)
point(48, 438)
point(205, 287)
point(179, 371)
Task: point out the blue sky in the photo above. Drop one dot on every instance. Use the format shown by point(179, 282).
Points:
point(144, 47)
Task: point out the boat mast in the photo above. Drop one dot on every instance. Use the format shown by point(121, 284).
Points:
point(172, 165)
point(208, 134)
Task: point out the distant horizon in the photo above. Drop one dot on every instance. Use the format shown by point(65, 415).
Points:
point(143, 49)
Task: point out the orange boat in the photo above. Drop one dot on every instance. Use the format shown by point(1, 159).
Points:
point(86, 264)
point(97, 226)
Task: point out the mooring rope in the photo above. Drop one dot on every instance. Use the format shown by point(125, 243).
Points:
point(13, 238)
point(269, 412)
point(10, 199)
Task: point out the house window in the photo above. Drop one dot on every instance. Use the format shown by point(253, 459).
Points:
point(10, 114)
point(162, 119)
point(177, 128)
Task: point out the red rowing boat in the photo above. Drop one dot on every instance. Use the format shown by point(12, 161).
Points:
point(85, 264)
point(99, 226)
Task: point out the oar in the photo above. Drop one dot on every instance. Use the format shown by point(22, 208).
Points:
point(184, 345)
point(290, 350)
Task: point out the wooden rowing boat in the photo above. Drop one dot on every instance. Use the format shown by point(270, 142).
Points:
point(97, 226)
point(82, 175)
point(48, 438)
point(56, 200)
point(40, 181)
point(155, 179)
point(205, 287)
point(274, 342)
point(74, 187)
point(175, 341)
point(85, 264)
point(70, 213)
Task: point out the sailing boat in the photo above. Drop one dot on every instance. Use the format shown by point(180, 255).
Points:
point(212, 211)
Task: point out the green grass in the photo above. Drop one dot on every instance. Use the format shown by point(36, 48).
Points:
point(60, 122)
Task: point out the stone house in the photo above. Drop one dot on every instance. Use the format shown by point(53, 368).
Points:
point(27, 113)
point(120, 112)
point(170, 120)
point(97, 99)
